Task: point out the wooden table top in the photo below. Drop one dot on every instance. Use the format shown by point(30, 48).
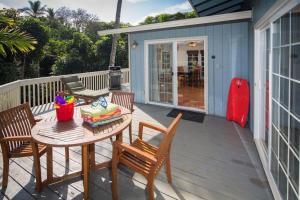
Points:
point(75, 132)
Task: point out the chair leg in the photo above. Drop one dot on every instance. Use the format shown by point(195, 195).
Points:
point(5, 171)
point(114, 176)
point(130, 133)
point(168, 170)
point(150, 188)
point(67, 154)
point(111, 140)
point(37, 167)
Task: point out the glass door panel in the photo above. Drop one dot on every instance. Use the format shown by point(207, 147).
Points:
point(190, 74)
point(161, 73)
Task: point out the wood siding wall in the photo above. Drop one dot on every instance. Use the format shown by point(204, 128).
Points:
point(229, 43)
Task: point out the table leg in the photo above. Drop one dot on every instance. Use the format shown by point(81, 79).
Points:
point(119, 137)
point(67, 154)
point(49, 163)
point(92, 156)
point(85, 169)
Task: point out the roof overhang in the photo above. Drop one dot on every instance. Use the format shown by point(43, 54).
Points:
point(245, 15)
point(215, 7)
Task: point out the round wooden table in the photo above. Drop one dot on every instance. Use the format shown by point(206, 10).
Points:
point(76, 133)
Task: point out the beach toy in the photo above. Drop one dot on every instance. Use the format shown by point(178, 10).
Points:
point(64, 108)
point(60, 100)
point(70, 99)
point(100, 102)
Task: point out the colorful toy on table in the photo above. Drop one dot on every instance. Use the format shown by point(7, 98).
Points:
point(100, 112)
point(64, 108)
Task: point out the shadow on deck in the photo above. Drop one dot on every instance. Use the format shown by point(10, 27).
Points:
point(214, 160)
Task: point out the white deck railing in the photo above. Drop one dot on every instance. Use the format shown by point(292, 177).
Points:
point(40, 91)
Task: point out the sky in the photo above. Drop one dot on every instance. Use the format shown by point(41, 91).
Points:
point(133, 11)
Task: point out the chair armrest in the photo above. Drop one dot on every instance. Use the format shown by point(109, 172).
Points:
point(151, 126)
point(144, 155)
point(38, 119)
point(16, 138)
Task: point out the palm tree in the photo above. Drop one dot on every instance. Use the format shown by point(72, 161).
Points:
point(13, 40)
point(51, 13)
point(115, 37)
point(35, 9)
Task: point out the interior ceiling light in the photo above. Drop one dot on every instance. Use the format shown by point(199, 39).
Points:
point(192, 44)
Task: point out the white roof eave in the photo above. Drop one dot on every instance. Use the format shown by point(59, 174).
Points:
point(180, 23)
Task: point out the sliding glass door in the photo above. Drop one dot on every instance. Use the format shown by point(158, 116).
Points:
point(175, 77)
point(160, 73)
point(280, 101)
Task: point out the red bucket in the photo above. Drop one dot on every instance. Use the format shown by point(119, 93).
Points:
point(65, 112)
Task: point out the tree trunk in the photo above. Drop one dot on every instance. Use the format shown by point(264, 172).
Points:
point(23, 65)
point(115, 37)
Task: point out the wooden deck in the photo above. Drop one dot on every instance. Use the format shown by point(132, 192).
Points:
point(213, 160)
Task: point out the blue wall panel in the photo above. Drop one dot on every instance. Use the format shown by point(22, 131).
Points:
point(228, 42)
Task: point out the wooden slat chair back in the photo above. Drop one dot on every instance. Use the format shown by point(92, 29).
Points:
point(163, 151)
point(16, 141)
point(144, 157)
point(16, 121)
point(126, 100)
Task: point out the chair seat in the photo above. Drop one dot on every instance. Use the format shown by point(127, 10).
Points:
point(92, 93)
point(135, 162)
point(26, 150)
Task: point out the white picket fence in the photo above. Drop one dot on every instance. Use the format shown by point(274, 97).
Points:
point(40, 91)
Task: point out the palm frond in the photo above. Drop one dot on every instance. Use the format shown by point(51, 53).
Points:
point(35, 9)
point(6, 21)
point(15, 40)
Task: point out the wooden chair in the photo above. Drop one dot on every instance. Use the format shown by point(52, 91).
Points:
point(143, 157)
point(181, 75)
point(126, 100)
point(16, 141)
point(196, 76)
point(73, 86)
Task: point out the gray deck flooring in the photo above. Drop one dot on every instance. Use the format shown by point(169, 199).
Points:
point(213, 160)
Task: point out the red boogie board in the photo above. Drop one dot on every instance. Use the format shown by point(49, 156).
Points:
point(238, 101)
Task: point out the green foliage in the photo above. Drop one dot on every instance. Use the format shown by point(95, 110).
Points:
point(103, 48)
point(35, 9)
point(10, 13)
point(40, 32)
point(168, 17)
point(12, 39)
point(69, 64)
point(63, 41)
point(8, 71)
point(51, 14)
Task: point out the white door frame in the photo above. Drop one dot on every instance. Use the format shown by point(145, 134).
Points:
point(174, 42)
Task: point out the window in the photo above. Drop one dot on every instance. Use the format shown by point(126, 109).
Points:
point(192, 58)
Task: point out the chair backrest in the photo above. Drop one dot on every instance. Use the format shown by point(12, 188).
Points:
point(180, 69)
point(16, 121)
point(165, 144)
point(124, 99)
point(72, 84)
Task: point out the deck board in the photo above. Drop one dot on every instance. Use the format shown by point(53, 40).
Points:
point(210, 160)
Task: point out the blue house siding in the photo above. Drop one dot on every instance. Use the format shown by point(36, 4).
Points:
point(261, 7)
point(227, 42)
